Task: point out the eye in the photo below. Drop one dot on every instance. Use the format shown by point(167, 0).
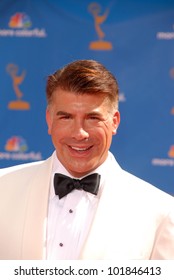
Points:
point(66, 117)
point(94, 118)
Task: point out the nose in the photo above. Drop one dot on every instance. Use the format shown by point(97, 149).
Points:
point(79, 132)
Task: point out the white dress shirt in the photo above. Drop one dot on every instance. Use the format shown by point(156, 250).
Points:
point(69, 218)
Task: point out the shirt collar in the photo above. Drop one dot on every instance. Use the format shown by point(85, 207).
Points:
point(59, 168)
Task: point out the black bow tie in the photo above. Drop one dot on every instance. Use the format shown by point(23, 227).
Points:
point(64, 184)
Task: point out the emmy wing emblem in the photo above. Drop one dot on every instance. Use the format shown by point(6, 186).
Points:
point(100, 44)
point(18, 104)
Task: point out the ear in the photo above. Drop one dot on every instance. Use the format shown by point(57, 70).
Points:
point(116, 122)
point(48, 120)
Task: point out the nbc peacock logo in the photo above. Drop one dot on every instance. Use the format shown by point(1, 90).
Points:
point(19, 25)
point(16, 148)
point(16, 144)
point(20, 20)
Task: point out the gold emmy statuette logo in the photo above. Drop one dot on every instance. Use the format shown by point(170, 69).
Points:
point(100, 44)
point(18, 104)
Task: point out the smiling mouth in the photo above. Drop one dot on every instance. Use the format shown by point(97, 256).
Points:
point(80, 149)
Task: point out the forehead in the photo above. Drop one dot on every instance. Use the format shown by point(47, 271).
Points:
point(70, 99)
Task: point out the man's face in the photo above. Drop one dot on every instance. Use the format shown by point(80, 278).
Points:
point(81, 127)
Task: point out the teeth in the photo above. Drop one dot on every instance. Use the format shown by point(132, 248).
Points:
point(79, 149)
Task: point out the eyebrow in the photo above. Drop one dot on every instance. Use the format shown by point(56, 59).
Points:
point(62, 113)
point(90, 114)
point(94, 114)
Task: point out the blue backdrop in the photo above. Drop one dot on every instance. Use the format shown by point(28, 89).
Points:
point(134, 39)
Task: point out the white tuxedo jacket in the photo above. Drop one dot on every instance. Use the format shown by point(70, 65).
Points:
point(134, 220)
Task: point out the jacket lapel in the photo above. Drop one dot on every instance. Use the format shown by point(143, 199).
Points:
point(34, 235)
point(97, 241)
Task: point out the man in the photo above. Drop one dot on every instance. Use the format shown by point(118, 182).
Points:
point(44, 214)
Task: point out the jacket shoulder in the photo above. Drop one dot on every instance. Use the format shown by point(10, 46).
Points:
point(24, 172)
point(19, 168)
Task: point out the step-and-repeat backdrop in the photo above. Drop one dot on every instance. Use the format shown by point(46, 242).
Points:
point(134, 39)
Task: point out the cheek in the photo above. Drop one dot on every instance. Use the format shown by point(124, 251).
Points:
point(103, 134)
point(107, 135)
point(108, 128)
point(59, 134)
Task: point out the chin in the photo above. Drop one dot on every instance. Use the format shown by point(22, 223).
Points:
point(80, 172)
